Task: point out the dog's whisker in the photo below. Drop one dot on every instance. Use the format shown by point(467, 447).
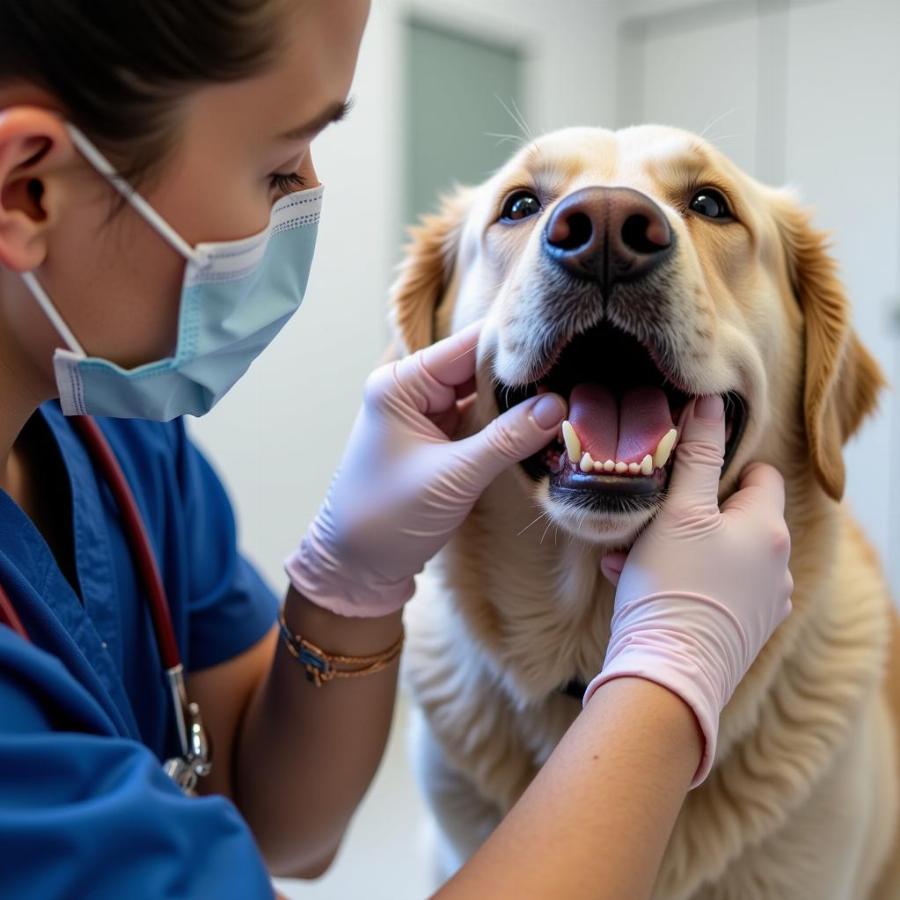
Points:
point(549, 523)
point(505, 138)
point(519, 122)
point(719, 138)
point(532, 522)
point(525, 127)
point(465, 353)
point(716, 119)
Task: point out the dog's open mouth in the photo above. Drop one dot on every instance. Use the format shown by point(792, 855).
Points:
point(616, 449)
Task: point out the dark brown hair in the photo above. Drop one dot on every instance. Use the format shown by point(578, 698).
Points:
point(119, 67)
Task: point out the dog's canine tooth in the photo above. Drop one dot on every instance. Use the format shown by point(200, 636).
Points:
point(621, 468)
point(587, 463)
point(664, 448)
point(573, 444)
point(647, 465)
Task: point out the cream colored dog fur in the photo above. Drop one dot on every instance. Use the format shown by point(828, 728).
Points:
point(802, 802)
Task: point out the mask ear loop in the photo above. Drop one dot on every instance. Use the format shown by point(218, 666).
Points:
point(106, 169)
point(141, 206)
point(52, 313)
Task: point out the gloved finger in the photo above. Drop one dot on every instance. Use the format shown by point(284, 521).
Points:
point(430, 376)
point(450, 420)
point(761, 485)
point(611, 565)
point(699, 455)
point(513, 437)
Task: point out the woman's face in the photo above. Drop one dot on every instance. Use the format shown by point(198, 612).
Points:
point(117, 282)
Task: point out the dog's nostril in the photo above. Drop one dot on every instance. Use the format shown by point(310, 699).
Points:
point(571, 232)
point(643, 235)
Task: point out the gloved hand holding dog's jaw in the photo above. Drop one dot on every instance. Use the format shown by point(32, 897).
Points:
point(702, 589)
point(404, 485)
point(700, 592)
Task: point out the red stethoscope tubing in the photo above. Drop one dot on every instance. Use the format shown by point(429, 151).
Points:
point(139, 544)
point(9, 616)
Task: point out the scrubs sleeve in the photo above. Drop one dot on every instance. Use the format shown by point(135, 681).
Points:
point(230, 607)
point(86, 813)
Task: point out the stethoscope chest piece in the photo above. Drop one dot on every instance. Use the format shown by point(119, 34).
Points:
point(195, 760)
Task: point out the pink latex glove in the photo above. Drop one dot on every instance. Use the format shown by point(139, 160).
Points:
point(702, 589)
point(404, 486)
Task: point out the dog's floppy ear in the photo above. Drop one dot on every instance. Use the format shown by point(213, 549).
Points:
point(842, 380)
point(424, 273)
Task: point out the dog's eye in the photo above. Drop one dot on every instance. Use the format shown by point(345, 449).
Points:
point(710, 203)
point(520, 205)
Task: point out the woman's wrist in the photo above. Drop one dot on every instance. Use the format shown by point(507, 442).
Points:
point(345, 635)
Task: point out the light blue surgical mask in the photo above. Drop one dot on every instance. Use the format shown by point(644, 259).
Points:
point(235, 297)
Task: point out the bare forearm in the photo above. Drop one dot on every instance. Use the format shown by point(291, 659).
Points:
point(596, 820)
point(306, 754)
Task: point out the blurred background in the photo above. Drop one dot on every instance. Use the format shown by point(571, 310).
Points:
point(805, 92)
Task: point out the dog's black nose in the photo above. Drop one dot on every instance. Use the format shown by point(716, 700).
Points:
point(608, 234)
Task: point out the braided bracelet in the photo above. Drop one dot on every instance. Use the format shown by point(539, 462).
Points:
point(322, 666)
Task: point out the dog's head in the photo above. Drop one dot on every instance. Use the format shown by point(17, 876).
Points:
point(631, 271)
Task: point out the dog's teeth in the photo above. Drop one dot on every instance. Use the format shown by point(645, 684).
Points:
point(587, 463)
point(634, 468)
point(647, 465)
point(598, 466)
point(621, 468)
point(664, 448)
point(573, 445)
point(609, 465)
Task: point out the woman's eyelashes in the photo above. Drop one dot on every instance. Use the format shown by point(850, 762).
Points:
point(285, 182)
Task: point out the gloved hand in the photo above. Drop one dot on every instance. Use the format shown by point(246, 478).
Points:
point(404, 486)
point(702, 589)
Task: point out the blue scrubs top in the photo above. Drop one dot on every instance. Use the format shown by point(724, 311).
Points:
point(85, 809)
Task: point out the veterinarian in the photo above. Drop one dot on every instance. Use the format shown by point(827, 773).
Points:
point(157, 220)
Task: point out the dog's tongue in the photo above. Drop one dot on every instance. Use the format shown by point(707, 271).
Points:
point(624, 429)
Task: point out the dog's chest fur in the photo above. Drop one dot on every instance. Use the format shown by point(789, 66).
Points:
point(520, 614)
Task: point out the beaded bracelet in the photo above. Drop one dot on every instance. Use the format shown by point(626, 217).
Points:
point(322, 666)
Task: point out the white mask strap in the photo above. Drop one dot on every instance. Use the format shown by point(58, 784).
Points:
point(150, 215)
point(52, 313)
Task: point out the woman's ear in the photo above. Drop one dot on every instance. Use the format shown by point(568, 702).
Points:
point(425, 272)
point(34, 144)
point(842, 380)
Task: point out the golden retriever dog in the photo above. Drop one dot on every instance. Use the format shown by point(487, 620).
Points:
point(631, 271)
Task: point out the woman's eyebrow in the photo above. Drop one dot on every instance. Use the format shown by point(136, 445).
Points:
point(334, 113)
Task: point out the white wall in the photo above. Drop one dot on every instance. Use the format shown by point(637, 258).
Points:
point(277, 437)
point(843, 151)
